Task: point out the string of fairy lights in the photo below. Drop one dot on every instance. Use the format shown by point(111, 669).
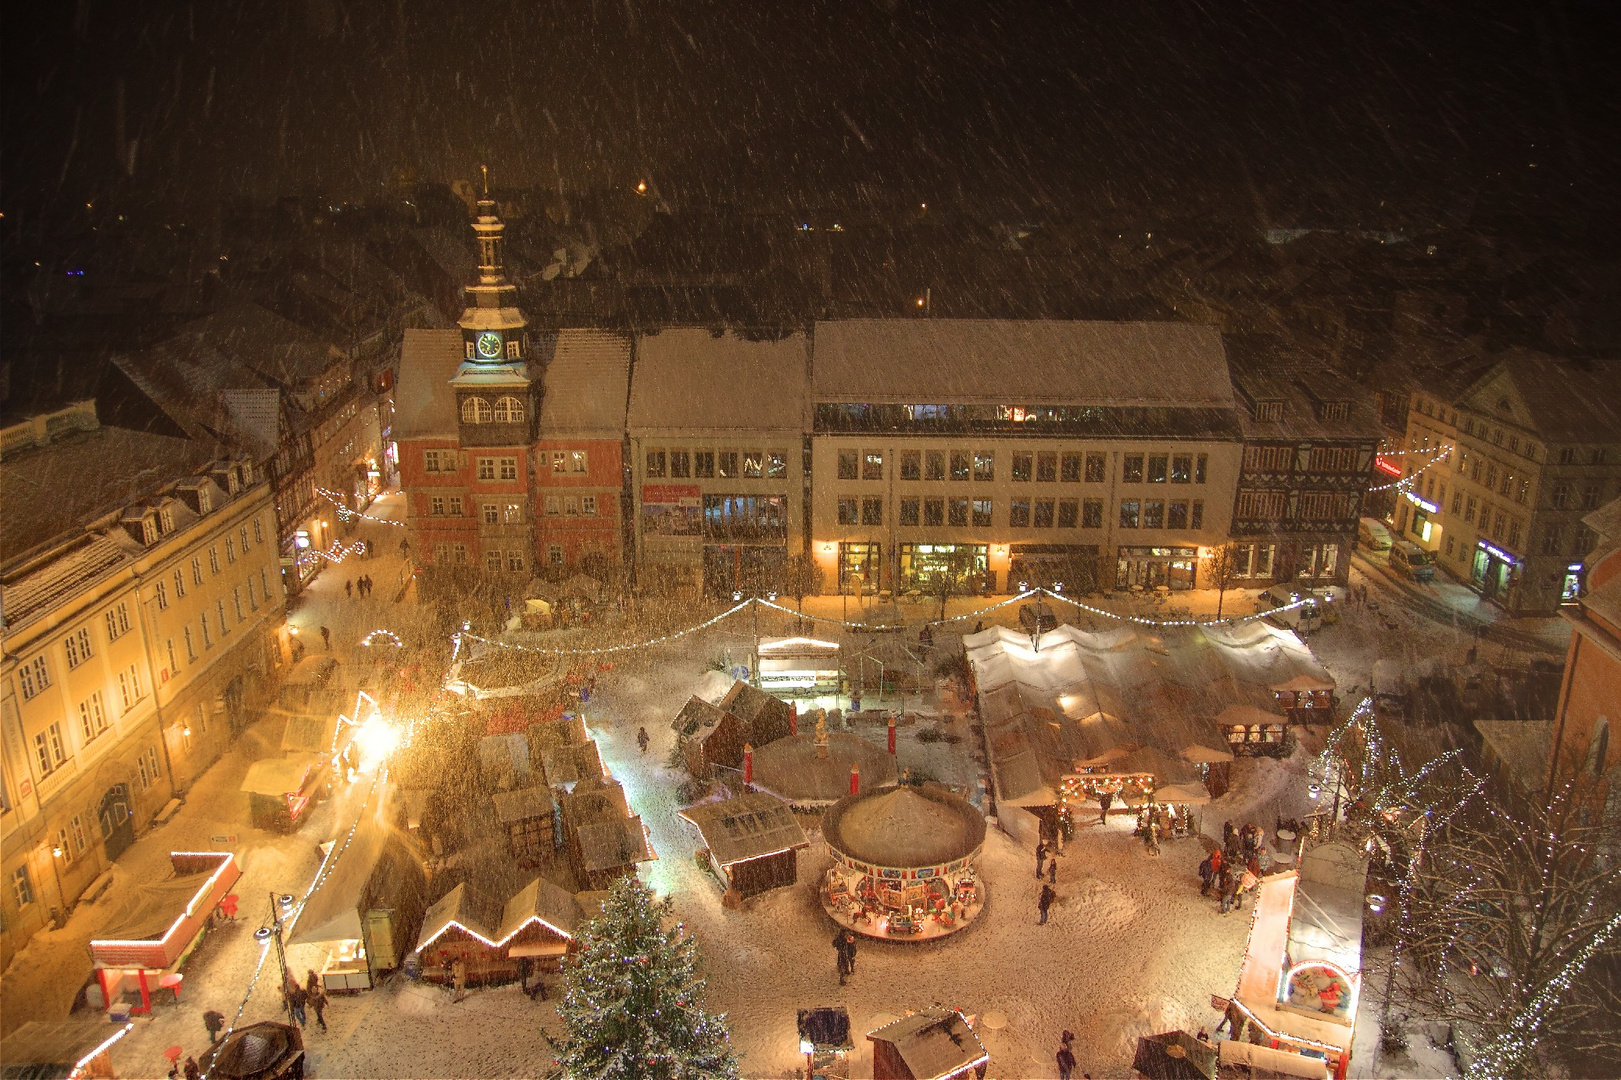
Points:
point(335, 554)
point(346, 514)
point(1437, 455)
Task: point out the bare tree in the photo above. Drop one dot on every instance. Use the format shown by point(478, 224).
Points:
point(1221, 570)
point(801, 577)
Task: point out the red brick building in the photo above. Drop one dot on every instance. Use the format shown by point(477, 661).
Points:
point(579, 458)
point(1586, 745)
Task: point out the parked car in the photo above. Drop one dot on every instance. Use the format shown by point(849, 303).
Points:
point(1372, 534)
point(1411, 561)
point(1276, 603)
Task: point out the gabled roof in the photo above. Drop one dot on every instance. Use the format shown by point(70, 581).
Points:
point(462, 907)
point(586, 381)
point(522, 804)
point(614, 842)
point(933, 1043)
point(1035, 362)
point(697, 715)
point(693, 381)
point(1558, 399)
point(571, 764)
point(544, 902)
point(747, 827)
point(424, 405)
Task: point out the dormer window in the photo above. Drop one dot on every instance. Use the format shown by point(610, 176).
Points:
point(205, 502)
point(476, 410)
point(1334, 410)
point(509, 410)
point(149, 530)
point(166, 519)
point(1269, 410)
point(512, 350)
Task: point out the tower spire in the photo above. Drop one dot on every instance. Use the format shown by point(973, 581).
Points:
point(485, 170)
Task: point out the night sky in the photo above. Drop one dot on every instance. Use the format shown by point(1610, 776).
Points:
point(1365, 112)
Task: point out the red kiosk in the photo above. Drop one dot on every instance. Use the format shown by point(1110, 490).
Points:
point(145, 944)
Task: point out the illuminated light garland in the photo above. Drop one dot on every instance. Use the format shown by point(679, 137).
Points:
point(1440, 455)
point(385, 637)
point(672, 636)
point(1145, 621)
point(336, 554)
point(346, 514)
point(866, 626)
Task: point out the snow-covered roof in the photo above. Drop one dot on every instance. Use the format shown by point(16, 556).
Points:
point(276, 776)
point(42, 1048)
point(1326, 923)
point(691, 381)
point(332, 911)
point(463, 907)
point(613, 842)
point(541, 900)
point(933, 1043)
point(424, 405)
point(746, 827)
point(523, 804)
point(586, 383)
point(791, 769)
point(904, 827)
point(1035, 362)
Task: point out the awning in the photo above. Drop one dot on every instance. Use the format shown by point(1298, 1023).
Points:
point(1248, 716)
point(332, 911)
point(277, 776)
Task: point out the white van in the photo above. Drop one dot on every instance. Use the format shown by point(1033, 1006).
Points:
point(1372, 534)
point(1411, 561)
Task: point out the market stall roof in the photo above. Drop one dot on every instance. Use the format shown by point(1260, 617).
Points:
point(541, 901)
point(798, 646)
point(1174, 1055)
point(1305, 683)
point(933, 1043)
point(1326, 923)
point(523, 804)
point(905, 827)
point(151, 911)
point(746, 827)
point(827, 1028)
point(463, 907)
point(331, 912)
point(614, 842)
point(697, 715)
point(790, 768)
point(1248, 716)
point(52, 1050)
point(276, 776)
point(571, 764)
point(261, 1049)
point(309, 734)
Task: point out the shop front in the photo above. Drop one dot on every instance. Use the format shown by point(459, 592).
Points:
point(1493, 571)
point(923, 567)
point(1053, 566)
point(750, 569)
point(1151, 567)
point(861, 565)
point(1570, 591)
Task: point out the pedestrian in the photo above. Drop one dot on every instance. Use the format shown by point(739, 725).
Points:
point(317, 996)
point(326, 638)
point(1048, 895)
point(214, 1021)
point(1229, 837)
point(1052, 871)
point(1105, 800)
point(405, 547)
point(349, 589)
point(368, 554)
point(192, 1071)
point(1217, 861)
point(1066, 1056)
point(1229, 888)
point(1041, 857)
point(844, 947)
point(458, 978)
point(1205, 875)
point(642, 738)
point(1151, 835)
point(296, 998)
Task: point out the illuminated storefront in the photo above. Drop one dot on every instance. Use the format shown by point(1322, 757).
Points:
point(1151, 567)
point(922, 565)
point(1493, 570)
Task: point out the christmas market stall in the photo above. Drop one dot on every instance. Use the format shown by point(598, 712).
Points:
point(495, 942)
point(934, 1044)
point(1250, 730)
point(1174, 1055)
point(1302, 969)
point(144, 944)
point(799, 665)
point(903, 862)
point(603, 839)
point(713, 736)
point(824, 1039)
point(752, 841)
point(61, 1050)
point(282, 791)
point(365, 907)
point(529, 817)
point(1307, 698)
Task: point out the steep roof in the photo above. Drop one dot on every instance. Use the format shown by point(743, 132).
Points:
point(747, 827)
point(692, 381)
point(904, 827)
point(933, 1043)
point(1036, 362)
point(1556, 398)
point(424, 406)
point(543, 901)
point(586, 381)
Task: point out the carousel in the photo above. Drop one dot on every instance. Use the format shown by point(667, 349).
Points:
point(903, 863)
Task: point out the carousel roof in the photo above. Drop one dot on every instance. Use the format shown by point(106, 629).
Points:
point(791, 769)
point(904, 827)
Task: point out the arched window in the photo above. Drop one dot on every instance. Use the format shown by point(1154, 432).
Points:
point(508, 410)
point(476, 410)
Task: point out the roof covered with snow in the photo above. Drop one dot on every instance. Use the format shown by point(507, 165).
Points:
point(541, 900)
point(747, 827)
point(904, 826)
point(791, 768)
point(933, 1043)
point(424, 406)
point(1036, 362)
point(694, 381)
point(587, 378)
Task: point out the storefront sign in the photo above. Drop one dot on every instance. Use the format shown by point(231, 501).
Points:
point(1386, 466)
point(1419, 502)
point(1497, 552)
point(672, 509)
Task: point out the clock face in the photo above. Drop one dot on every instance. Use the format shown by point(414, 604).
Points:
point(489, 345)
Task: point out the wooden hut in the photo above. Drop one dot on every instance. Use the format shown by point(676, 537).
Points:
point(528, 815)
point(604, 840)
point(566, 766)
point(493, 940)
point(768, 717)
point(714, 735)
point(753, 841)
point(934, 1044)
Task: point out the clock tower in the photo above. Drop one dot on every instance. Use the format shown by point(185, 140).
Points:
point(495, 394)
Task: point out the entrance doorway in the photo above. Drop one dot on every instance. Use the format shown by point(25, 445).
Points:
point(1489, 575)
point(117, 823)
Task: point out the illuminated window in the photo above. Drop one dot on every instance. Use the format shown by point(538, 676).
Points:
point(508, 410)
point(476, 410)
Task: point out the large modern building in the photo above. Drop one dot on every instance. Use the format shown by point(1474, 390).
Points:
point(1535, 447)
point(142, 624)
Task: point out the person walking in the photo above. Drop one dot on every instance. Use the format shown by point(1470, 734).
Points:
point(296, 998)
point(1066, 1056)
point(844, 948)
point(458, 978)
point(1204, 875)
point(326, 638)
point(1151, 835)
point(317, 996)
point(1229, 887)
point(1105, 800)
point(1048, 895)
point(349, 589)
point(642, 738)
point(1052, 871)
point(1041, 857)
point(214, 1021)
point(192, 1071)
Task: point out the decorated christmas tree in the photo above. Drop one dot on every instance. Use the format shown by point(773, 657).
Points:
point(633, 1006)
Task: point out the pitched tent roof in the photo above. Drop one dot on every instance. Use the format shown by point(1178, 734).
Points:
point(933, 1043)
point(905, 827)
point(331, 912)
point(746, 827)
point(1035, 362)
point(41, 1049)
point(586, 381)
point(424, 405)
point(791, 769)
point(697, 715)
point(276, 776)
point(541, 901)
point(691, 380)
point(461, 907)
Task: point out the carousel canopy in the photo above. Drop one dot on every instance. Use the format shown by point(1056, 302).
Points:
point(790, 768)
point(904, 827)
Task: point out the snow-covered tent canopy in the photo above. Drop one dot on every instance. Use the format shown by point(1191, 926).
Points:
point(792, 769)
point(374, 865)
point(905, 828)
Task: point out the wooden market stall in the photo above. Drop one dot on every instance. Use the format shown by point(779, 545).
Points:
point(753, 841)
point(1306, 699)
point(603, 839)
point(903, 863)
point(158, 925)
point(529, 817)
point(934, 1044)
point(495, 942)
point(282, 791)
point(62, 1050)
point(799, 665)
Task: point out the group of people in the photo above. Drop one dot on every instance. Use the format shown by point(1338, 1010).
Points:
point(1046, 858)
point(844, 948)
point(1066, 1057)
point(363, 584)
point(301, 1000)
point(1236, 866)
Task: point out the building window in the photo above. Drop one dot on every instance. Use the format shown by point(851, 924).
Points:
point(230, 551)
point(214, 559)
point(1023, 466)
point(1130, 513)
point(847, 510)
point(1097, 468)
point(1198, 514)
point(492, 561)
point(1092, 514)
point(1019, 511)
point(147, 767)
point(1154, 514)
point(21, 887)
point(909, 510)
point(118, 621)
point(179, 585)
point(1070, 468)
point(680, 464)
point(515, 561)
point(486, 468)
point(509, 468)
point(80, 841)
point(655, 463)
point(934, 511)
point(703, 464)
point(554, 506)
point(219, 608)
point(934, 465)
point(911, 465)
point(196, 570)
point(571, 506)
point(208, 636)
point(1046, 467)
point(1044, 514)
point(554, 552)
point(776, 465)
point(957, 512)
point(77, 645)
point(191, 650)
point(849, 464)
point(1181, 469)
point(753, 464)
point(984, 465)
point(1199, 466)
point(92, 717)
point(436, 505)
point(242, 534)
point(1131, 469)
point(872, 465)
point(509, 410)
point(961, 465)
point(161, 592)
point(458, 554)
point(476, 410)
point(34, 676)
point(1157, 468)
point(982, 513)
point(512, 513)
point(51, 749)
point(492, 514)
point(253, 599)
point(236, 601)
point(1176, 515)
point(1068, 517)
point(728, 464)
